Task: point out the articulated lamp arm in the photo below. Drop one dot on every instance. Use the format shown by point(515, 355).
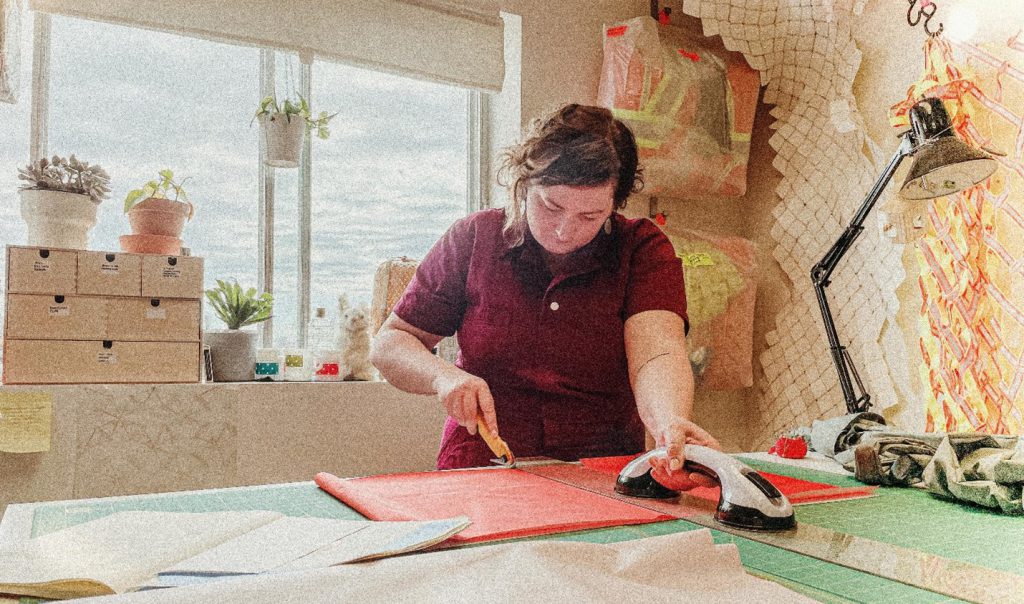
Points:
point(822, 272)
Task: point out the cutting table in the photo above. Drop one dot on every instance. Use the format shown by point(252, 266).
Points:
point(909, 518)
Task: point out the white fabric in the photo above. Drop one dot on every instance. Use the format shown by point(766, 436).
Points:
point(679, 567)
point(450, 41)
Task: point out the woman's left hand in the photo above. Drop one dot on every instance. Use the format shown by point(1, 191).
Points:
point(669, 470)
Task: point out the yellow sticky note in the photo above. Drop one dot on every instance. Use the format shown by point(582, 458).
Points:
point(696, 259)
point(25, 421)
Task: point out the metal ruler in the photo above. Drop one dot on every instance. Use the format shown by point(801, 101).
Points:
point(952, 578)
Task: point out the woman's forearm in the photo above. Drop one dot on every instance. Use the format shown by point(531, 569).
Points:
point(405, 362)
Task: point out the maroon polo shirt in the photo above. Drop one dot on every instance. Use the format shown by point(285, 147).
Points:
point(550, 347)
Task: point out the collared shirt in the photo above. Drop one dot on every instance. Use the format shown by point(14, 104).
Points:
point(550, 347)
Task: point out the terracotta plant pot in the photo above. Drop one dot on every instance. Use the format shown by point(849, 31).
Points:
point(283, 139)
point(151, 244)
point(58, 218)
point(155, 216)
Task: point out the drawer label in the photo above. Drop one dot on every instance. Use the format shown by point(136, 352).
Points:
point(171, 272)
point(110, 268)
point(41, 266)
point(59, 310)
point(107, 357)
point(156, 313)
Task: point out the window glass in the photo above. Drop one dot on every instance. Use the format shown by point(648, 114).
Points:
point(137, 101)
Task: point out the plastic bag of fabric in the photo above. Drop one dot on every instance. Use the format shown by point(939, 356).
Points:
point(690, 107)
point(721, 287)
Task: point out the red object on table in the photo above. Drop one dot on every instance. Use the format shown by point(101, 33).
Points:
point(796, 490)
point(790, 447)
point(501, 503)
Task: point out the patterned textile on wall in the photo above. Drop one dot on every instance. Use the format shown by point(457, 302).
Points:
point(806, 54)
point(971, 324)
point(691, 108)
point(721, 286)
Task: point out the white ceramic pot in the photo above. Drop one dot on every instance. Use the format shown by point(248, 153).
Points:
point(233, 352)
point(58, 219)
point(283, 139)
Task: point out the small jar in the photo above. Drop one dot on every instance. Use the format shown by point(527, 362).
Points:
point(328, 366)
point(298, 366)
point(269, 363)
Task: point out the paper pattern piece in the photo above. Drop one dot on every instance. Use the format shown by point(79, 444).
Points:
point(123, 551)
point(501, 503)
point(807, 58)
point(971, 320)
point(721, 287)
point(26, 419)
point(690, 107)
point(679, 567)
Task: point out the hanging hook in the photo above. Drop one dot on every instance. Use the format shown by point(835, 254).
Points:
point(926, 10)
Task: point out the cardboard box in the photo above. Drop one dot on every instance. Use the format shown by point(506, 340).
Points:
point(109, 273)
point(59, 317)
point(153, 320)
point(33, 270)
point(172, 276)
point(99, 362)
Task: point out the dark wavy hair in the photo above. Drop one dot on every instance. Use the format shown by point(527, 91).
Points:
point(575, 145)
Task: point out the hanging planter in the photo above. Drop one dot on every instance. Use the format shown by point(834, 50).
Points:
point(284, 127)
point(59, 204)
point(282, 139)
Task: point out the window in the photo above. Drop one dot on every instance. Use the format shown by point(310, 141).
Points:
point(388, 182)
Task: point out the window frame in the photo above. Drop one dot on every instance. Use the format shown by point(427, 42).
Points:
point(477, 142)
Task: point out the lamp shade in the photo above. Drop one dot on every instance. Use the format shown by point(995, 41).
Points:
point(943, 164)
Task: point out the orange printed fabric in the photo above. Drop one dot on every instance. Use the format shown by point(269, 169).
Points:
point(796, 491)
point(501, 503)
point(971, 322)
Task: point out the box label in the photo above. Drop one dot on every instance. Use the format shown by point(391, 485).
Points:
point(156, 313)
point(41, 266)
point(59, 310)
point(107, 357)
point(171, 272)
point(110, 268)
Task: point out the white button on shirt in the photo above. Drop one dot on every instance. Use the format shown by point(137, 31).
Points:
point(554, 306)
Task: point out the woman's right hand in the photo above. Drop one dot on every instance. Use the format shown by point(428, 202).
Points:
point(465, 396)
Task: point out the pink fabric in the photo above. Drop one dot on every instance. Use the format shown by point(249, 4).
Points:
point(502, 504)
point(550, 347)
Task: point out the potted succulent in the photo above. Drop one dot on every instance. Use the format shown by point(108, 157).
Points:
point(59, 202)
point(157, 218)
point(285, 125)
point(233, 350)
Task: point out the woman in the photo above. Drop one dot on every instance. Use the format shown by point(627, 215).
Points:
point(570, 318)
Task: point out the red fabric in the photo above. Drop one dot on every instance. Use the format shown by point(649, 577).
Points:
point(790, 448)
point(524, 331)
point(795, 489)
point(502, 504)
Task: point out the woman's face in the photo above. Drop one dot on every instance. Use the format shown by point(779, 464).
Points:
point(563, 218)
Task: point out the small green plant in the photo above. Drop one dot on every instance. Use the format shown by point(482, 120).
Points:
point(160, 189)
point(67, 174)
point(238, 308)
point(300, 109)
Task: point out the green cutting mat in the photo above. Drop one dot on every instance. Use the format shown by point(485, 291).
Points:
point(915, 519)
point(814, 578)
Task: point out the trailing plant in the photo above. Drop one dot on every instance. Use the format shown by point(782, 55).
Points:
point(160, 189)
point(67, 174)
point(291, 109)
point(237, 307)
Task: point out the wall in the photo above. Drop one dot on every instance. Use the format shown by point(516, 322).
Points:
point(128, 439)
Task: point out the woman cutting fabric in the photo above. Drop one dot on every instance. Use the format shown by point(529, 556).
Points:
point(570, 317)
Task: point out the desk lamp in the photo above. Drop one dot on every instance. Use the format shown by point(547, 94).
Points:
point(943, 165)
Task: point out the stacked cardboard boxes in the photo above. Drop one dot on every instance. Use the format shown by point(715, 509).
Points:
point(77, 316)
